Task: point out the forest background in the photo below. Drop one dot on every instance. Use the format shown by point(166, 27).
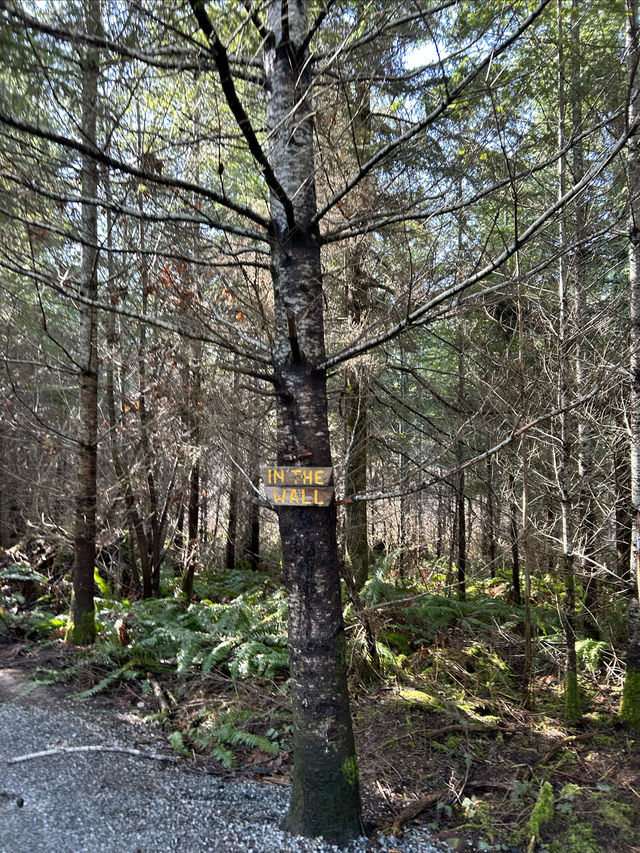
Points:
point(394, 239)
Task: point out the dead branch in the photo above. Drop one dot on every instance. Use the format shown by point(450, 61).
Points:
point(155, 756)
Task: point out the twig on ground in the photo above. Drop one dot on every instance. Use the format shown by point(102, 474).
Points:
point(91, 748)
point(556, 748)
point(414, 809)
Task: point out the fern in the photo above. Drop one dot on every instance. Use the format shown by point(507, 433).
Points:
point(246, 636)
point(257, 658)
point(106, 681)
point(216, 735)
point(177, 742)
point(224, 756)
point(22, 572)
point(590, 652)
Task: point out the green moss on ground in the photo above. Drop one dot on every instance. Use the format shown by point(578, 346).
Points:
point(542, 811)
point(578, 838)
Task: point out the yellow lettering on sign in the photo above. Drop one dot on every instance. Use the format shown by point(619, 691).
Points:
point(293, 496)
point(279, 498)
point(319, 477)
point(307, 477)
point(306, 499)
point(278, 475)
point(315, 498)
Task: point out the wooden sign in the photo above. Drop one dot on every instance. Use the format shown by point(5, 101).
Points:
point(288, 486)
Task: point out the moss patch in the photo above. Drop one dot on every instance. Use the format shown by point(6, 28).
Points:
point(418, 698)
point(630, 706)
point(82, 633)
point(542, 811)
point(350, 770)
point(578, 838)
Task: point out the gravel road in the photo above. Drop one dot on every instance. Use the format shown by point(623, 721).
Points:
point(113, 802)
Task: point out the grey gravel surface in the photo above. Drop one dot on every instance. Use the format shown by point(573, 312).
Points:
point(94, 802)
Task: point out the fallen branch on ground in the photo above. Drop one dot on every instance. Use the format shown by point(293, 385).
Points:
point(91, 748)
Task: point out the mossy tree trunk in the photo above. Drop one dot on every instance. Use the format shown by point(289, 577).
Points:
point(81, 623)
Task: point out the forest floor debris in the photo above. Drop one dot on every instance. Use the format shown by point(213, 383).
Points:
point(445, 774)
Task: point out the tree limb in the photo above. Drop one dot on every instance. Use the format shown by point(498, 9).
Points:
point(101, 157)
point(220, 56)
point(391, 147)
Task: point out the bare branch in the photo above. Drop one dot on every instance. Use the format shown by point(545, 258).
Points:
point(100, 157)
point(180, 329)
point(313, 29)
point(423, 313)
point(184, 60)
point(219, 53)
point(480, 457)
point(388, 150)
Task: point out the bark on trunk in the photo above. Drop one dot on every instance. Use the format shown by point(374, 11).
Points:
point(356, 423)
point(461, 530)
point(81, 624)
point(623, 514)
point(586, 502)
point(572, 703)
point(490, 522)
point(193, 391)
point(234, 488)
point(325, 797)
point(516, 593)
point(630, 707)
point(130, 582)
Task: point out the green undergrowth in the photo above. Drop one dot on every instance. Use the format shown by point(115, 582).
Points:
point(27, 605)
point(244, 637)
point(223, 735)
point(213, 673)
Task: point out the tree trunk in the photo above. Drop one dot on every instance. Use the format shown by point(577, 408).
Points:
point(232, 525)
point(81, 624)
point(356, 425)
point(623, 514)
point(630, 707)
point(586, 502)
point(490, 522)
point(254, 529)
point(572, 699)
point(516, 593)
point(461, 531)
point(130, 582)
point(325, 798)
point(193, 393)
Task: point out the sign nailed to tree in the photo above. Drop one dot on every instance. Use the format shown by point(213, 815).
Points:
point(287, 486)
